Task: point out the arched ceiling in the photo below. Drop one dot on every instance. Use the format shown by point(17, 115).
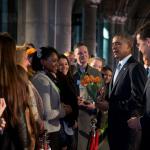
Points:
point(136, 11)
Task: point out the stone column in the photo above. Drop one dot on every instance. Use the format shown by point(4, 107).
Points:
point(45, 22)
point(37, 22)
point(34, 24)
point(21, 22)
point(90, 16)
point(62, 26)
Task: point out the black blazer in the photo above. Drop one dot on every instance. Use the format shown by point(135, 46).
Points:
point(125, 101)
point(126, 93)
point(145, 119)
point(68, 95)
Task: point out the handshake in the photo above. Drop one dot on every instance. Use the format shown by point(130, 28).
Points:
point(102, 105)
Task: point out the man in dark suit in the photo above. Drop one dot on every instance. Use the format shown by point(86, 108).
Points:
point(125, 100)
point(146, 61)
point(86, 107)
point(143, 122)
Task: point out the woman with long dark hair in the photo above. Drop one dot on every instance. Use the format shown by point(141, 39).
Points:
point(14, 90)
point(66, 83)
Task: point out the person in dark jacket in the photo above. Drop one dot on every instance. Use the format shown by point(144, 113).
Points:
point(125, 98)
point(143, 122)
point(66, 83)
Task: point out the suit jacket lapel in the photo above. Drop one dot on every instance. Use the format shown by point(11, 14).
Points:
point(122, 71)
point(111, 83)
point(121, 74)
point(147, 84)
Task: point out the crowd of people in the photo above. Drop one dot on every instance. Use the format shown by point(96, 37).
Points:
point(45, 105)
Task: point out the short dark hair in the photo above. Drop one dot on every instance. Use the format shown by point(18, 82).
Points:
point(128, 38)
point(64, 57)
point(105, 68)
point(42, 53)
point(144, 31)
point(79, 45)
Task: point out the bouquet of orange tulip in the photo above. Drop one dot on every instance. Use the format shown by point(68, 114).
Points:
point(92, 84)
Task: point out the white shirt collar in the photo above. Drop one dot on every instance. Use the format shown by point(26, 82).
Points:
point(145, 66)
point(124, 60)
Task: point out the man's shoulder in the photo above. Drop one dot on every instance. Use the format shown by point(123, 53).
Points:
point(133, 63)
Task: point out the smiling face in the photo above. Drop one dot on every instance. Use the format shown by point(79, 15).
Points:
point(107, 76)
point(120, 47)
point(51, 63)
point(63, 66)
point(82, 55)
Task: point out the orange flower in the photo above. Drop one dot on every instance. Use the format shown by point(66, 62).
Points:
point(96, 79)
point(90, 79)
point(30, 51)
point(92, 84)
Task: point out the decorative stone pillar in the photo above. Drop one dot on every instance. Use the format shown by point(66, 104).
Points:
point(21, 22)
point(37, 22)
point(45, 22)
point(90, 16)
point(34, 24)
point(62, 26)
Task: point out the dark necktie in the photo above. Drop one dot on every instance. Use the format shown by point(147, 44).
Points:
point(147, 71)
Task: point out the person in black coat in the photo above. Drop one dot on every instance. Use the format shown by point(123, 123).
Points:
point(68, 94)
point(125, 96)
point(143, 122)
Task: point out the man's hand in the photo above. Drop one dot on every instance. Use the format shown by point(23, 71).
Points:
point(80, 101)
point(90, 106)
point(102, 105)
point(134, 123)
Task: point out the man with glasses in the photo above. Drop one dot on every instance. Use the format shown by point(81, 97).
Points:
point(143, 122)
point(125, 100)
